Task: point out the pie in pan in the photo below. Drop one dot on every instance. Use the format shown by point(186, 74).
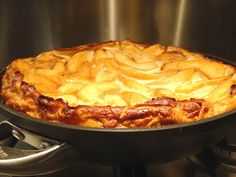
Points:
point(120, 84)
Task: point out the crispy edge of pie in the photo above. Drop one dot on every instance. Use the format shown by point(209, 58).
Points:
point(23, 97)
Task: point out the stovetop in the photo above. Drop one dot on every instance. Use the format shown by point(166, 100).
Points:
point(179, 168)
point(187, 167)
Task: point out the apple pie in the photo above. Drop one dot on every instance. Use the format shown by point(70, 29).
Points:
point(120, 84)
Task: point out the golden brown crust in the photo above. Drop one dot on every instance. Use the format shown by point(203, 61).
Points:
point(156, 112)
point(162, 105)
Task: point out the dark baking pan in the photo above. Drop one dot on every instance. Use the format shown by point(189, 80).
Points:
point(59, 145)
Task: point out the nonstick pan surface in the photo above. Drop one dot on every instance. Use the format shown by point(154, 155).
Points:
point(136, 146)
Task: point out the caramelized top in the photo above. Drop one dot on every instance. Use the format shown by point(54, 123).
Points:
point(125, 74)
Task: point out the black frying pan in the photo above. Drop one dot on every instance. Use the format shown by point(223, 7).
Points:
point(136, 146)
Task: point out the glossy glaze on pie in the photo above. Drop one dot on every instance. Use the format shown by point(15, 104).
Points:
point(120, 84)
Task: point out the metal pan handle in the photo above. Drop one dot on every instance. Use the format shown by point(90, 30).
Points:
point(45, 156)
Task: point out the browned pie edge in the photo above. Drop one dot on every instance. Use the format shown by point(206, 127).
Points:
point(23, 97)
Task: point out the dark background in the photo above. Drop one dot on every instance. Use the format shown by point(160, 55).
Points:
point(28, 27)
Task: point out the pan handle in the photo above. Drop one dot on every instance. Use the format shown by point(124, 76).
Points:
point(43, 156)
